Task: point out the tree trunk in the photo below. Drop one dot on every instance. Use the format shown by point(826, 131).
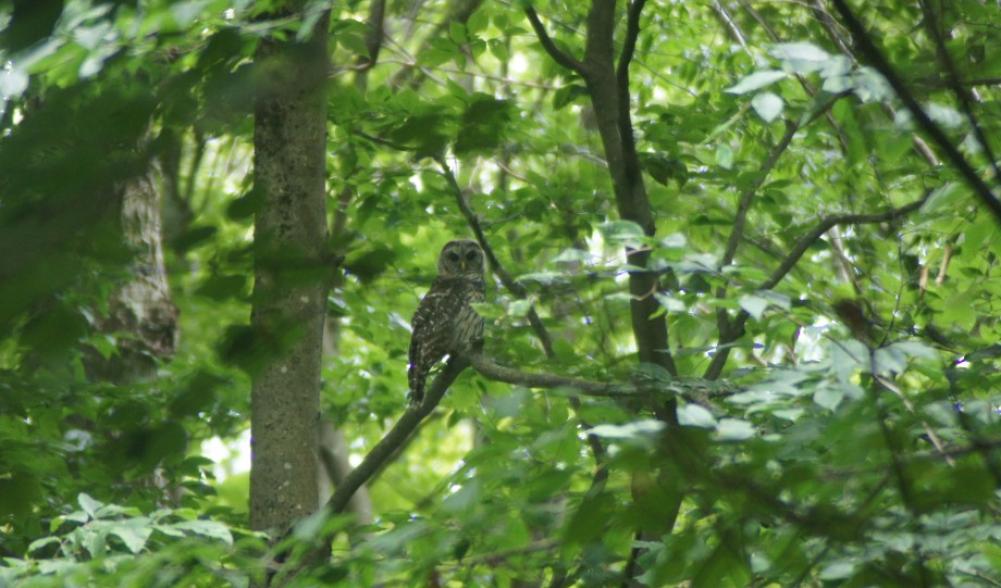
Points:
point(289, 278)
point(143, 305)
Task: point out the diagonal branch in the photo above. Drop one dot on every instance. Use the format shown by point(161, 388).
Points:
point(799, 249)
point(879, 61)
point(558, 55)
point(396, 436)
point(747, 196)
point(962, 95)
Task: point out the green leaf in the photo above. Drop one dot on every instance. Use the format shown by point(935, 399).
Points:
point(756, 81)
point(38, 544)
point(133, 535)
point(724, 156)
point(210, 529)
point(671, 303)
point(622, 231)
point(463, 499)
point(754, 305)
point(568, 94)
point(734, 430)
point(663, 168)
point(829, 397)
point(519, 308)
point(801, 57)
point(767, 105)
point(633, 430)
point(369, 262)
point(88, 504)
point(457, 31)
point(483, 125)
point(693, 415)
point(838, 570)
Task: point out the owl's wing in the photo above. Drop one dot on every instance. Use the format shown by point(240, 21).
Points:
point(429, 341)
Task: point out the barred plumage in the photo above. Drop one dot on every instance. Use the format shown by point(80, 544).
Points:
point(445, 322)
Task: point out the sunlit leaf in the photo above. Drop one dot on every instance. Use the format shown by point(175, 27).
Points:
point(756, 81)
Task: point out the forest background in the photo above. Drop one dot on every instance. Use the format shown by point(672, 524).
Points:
point(742, 308)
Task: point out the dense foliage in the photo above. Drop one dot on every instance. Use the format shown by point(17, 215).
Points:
point(827, 273)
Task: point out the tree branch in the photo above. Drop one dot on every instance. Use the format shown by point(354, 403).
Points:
point(396, 436)
point(373, 40)
point(962, 95)
point(805, 242)
point(558, 55)
point(740, 219)
point(747, 197)
point(629, 44)
point(879, 61)
point(487, 367)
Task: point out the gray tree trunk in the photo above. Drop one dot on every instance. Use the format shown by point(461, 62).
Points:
point(289, 278)
point(142, 306)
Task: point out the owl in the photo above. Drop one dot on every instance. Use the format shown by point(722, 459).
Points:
point(445, 321)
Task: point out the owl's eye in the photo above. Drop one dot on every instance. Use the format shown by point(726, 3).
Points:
point(453, 256)
point(471, 255)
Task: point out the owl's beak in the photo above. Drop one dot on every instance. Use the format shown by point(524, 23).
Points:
point(462, 265)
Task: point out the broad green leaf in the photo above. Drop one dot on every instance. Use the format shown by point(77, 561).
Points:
point(88, 504)
point(767, 105)
point(801, 57)
point(463, 499)
point(828, 397)
point(133, 535)
point(205, 528)
point(622, 231)
point(756, 81)
point(693, 415)
point(754, 305)
point(519, 308)
point(724, 156)
point(839, 570)
point(43, 542)
point(671, 303)
point(734, 430)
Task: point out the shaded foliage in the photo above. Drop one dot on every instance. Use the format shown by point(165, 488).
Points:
point(828, 283)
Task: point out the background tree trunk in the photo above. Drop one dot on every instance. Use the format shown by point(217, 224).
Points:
point(290, 278)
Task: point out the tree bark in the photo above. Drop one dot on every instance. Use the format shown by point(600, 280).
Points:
point(142, 306)
point(290, 280)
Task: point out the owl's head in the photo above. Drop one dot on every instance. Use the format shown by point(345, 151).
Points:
point(462, 257)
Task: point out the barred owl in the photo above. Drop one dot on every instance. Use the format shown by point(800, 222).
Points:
point(445, 322)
